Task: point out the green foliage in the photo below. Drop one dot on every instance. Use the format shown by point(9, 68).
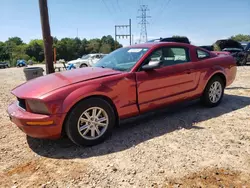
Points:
point(241, 38)
point(35, 49)
point(4, 55)
point(15, 40)
point(66, 48)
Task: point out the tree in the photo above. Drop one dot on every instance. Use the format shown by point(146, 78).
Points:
point(67, 48)
point(241, 38)
point(35, 49)
point(4, 55)
point(94, 46)
point(16, 40)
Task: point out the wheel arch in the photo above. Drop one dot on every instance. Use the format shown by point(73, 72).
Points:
point(105, 98)
point(83, 64)
point(219, 74)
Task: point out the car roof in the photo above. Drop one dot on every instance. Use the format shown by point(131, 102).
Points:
point(156, 44)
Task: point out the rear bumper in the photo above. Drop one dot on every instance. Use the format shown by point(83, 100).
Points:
point(21, 117)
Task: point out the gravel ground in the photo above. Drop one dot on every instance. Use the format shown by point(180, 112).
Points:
point(182, 146)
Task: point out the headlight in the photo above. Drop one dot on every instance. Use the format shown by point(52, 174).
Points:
point(37, 107)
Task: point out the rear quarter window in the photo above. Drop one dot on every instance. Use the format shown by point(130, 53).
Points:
point(202, 54)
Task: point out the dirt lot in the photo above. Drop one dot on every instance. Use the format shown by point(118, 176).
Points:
point(187, 146)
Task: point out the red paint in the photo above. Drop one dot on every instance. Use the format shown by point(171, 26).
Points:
point(221, 52)
point(131, 92)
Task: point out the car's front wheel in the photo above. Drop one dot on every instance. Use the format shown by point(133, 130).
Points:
point(90, 122)
point(213, 92)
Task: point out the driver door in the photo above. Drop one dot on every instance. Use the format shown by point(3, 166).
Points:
point(162, 85)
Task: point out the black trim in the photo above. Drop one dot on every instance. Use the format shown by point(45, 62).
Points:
point(22, 103)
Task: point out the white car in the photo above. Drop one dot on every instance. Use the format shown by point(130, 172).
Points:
point(86, 60)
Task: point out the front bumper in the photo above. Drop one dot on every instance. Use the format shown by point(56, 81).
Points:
point(21, 117)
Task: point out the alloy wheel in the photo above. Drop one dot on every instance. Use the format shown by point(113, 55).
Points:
point(93, 123)
point(215, 92)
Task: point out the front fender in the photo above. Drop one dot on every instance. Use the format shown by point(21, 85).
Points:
point(81, 93)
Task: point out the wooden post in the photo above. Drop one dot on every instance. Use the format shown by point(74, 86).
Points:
point(54, 55)
point(47, 39)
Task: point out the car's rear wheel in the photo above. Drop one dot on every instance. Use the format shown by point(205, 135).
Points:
point(90, 122)
point(83, 65)
point(213, 92)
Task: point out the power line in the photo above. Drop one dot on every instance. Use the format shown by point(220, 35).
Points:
point(110, 12)
point(161, 10)
point(143, 35)
point(118, 5)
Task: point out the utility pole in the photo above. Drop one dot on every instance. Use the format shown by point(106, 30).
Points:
point(47, 39)
point(115, 37)
point(143, 35)
point(130, 37)
point(124, 34)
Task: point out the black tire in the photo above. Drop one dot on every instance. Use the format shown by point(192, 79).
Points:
point(205, 99)
point(71, 124)
point(83, 65)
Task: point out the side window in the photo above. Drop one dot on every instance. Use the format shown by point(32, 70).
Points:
point(156, 55)
point(202, 54)
point(175, 55)
point(169, 56)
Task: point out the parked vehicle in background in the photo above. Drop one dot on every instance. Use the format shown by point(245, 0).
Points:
point(172, 39)
point(211, 49)
point(4, 65)
point(234, 48)
point(246, 54)
point(86, 60)
point(87, 103)
point(245, 45)
point(21, 63)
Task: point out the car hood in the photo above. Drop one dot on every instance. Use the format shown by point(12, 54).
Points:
point(44, 84)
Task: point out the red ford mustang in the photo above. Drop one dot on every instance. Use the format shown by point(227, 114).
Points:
point(87, 103)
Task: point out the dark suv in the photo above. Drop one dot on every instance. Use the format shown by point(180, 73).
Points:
point(238, 50)
point(246, 52)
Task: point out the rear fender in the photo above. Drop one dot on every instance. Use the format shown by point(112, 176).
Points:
point(214, 70)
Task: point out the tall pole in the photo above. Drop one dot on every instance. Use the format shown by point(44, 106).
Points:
point(47, 39)
point(130, 32)
point(115, 37)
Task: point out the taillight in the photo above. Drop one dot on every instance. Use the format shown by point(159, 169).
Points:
point(37, 107)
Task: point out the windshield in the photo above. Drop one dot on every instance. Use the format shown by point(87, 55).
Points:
point(85, 57)
point(122, 59)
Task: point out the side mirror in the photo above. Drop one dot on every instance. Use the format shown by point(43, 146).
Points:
point(152, 65)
